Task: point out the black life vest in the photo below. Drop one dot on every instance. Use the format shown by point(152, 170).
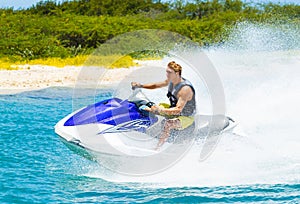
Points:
point(190, 107)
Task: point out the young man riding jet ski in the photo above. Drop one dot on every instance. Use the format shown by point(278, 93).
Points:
point(180, 112)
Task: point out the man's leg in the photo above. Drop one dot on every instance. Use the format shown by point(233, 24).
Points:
point(168, 126)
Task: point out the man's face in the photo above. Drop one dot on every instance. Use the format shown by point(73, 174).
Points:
point(170, 73)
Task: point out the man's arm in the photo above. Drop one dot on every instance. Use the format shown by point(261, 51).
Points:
point(184, 95)
point(150, 85)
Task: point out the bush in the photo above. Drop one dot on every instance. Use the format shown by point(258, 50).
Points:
point(75, 28)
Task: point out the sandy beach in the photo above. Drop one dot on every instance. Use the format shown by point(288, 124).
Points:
point(33, 77)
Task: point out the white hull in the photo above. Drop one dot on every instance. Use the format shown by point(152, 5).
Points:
point(132, 143)
point(132, 152)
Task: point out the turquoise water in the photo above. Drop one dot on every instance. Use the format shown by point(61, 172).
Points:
point(36, 167)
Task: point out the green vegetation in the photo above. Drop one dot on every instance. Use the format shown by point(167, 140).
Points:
point(76, 28)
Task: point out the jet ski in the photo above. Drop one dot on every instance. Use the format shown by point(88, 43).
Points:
point(117, 127)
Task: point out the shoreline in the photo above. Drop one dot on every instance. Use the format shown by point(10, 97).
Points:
point(35, 77)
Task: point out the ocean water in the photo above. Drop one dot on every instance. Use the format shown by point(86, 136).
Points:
point(259, 163)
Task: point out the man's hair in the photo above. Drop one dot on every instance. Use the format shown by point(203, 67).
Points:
point(176, 67)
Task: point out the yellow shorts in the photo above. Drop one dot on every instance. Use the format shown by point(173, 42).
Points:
point(164, 105)
point(185, 121)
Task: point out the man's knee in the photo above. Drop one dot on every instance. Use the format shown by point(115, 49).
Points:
point(172, 123)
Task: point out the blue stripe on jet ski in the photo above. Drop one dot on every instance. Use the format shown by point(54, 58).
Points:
point(113, 112)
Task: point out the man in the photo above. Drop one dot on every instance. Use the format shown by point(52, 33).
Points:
point(182, 106)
